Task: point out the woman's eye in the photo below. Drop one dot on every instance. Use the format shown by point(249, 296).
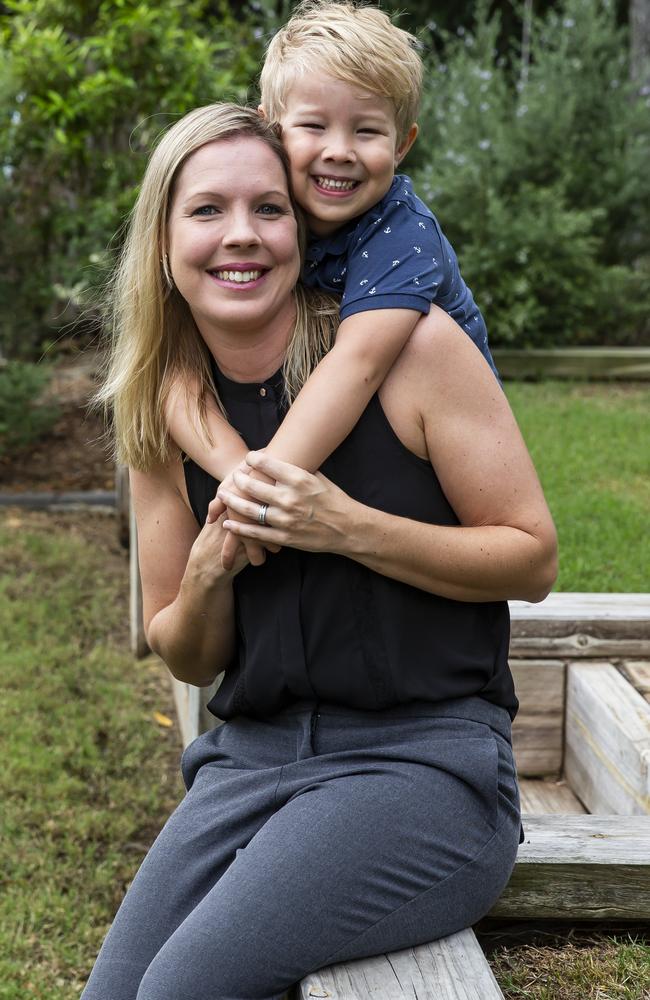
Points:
point(270, 209)
point(205, 210)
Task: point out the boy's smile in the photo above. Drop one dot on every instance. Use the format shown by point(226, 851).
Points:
point(342, 145)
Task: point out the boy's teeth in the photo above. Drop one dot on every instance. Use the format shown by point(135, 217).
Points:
point(239, 276)
point(333, 185)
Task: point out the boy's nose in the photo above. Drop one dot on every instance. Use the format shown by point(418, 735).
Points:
point(339, 150)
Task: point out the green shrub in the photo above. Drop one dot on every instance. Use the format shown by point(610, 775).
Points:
point(85, 88)
point(24, 415)
point(539, 180)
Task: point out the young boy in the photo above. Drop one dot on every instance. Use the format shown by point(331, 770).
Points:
point(344, 84)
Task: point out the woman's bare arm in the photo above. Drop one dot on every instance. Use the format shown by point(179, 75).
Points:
point(187, 596)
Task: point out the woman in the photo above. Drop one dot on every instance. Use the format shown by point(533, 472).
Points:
point(361, 796)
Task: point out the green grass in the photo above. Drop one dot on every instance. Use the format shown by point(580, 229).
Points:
point(88, 775)
point(599, 968)
point(591, 447)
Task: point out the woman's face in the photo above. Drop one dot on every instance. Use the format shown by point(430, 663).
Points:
point(233, 247)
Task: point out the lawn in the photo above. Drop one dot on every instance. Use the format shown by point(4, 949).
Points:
point(591, 446)
point(91, 768)
point(89, 773)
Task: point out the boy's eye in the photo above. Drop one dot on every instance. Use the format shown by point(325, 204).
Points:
point(313, 125)
point(370, 131)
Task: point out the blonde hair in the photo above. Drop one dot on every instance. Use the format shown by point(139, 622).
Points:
point(356, 44)
point(154, 339)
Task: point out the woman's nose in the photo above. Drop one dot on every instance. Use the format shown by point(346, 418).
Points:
point(241, 231)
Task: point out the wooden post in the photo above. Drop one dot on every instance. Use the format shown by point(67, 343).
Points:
point(139, 645)
point(123, 505)
point(538, 730)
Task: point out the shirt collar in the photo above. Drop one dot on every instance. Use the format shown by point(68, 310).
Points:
point(228, 389)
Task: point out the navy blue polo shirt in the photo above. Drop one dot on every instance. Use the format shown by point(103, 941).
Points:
point(395, 256)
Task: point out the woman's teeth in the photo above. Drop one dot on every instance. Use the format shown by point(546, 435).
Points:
point(333, 185)
point(240, 277)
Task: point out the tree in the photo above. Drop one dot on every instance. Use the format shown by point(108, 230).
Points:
point(85, 88)
point(640, 43)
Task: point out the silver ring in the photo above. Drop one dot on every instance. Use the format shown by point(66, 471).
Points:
point(261, 517)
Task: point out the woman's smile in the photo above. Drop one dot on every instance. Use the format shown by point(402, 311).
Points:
point(241, 277)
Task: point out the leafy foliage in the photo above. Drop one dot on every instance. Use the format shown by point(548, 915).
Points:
point(537, 174)
point(24, 415)
point(84, 86)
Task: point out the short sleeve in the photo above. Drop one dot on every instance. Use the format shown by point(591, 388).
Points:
point(395, 261)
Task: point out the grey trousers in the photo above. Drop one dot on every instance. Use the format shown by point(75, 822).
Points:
point(318, 835)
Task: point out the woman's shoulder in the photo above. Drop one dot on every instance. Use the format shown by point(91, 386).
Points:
point(439, 374)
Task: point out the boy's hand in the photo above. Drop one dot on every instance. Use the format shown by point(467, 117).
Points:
point(255, 552)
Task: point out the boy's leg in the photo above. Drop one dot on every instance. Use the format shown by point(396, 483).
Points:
point(372, 851)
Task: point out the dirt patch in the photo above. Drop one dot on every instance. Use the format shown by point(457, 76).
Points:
point(74, 454)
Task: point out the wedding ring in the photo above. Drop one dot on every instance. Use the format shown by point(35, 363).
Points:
point(261, 517)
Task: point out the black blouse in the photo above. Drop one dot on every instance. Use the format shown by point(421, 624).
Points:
point(323, 627)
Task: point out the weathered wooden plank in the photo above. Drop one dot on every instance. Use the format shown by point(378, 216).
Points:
point(607, 754)
point(579, 362)
point(538, 730)
point(539, 796)
point(569, 606)
point(580, 867)
point(453, 968)
point(581, 625)
point(187, 699)
point(638, 674)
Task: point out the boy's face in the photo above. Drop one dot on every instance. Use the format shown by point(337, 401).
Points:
point(342, 144)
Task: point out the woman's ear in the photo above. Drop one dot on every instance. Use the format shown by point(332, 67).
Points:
point(261, 112)
point(404, 147)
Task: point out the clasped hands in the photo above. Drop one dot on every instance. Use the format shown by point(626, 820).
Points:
point(304, 510)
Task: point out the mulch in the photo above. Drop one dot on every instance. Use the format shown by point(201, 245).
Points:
point(74, 454)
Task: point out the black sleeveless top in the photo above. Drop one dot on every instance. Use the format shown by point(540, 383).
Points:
point(323, 627)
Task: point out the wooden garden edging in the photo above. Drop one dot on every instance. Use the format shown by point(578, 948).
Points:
point(593, 363)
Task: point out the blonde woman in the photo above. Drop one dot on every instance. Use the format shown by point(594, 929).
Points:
point(361, 795)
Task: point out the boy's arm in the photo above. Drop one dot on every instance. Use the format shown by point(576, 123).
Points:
point(219, 457)
point(182, 416)
point(340, 387)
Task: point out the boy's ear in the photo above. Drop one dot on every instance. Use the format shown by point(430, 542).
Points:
point(404, 147)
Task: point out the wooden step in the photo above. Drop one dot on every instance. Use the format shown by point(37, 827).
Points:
point(540, 796)
point(453, 968)
point(582, 868)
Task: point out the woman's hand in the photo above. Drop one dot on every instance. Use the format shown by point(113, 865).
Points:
point(305, 511)
point(232, 545)
point(205, 563)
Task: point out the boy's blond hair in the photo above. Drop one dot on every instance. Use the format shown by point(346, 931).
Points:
point(155, 340)
point(356, 44)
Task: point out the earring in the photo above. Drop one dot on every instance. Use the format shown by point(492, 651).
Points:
point(167, 271)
